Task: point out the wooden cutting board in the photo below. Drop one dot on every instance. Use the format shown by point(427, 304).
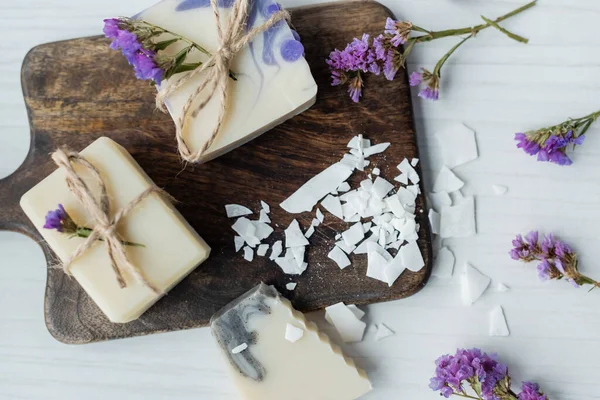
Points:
point(78, 90)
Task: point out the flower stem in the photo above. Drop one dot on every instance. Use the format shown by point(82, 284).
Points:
point(84, 232)
point(440, 64)
point(432, 35)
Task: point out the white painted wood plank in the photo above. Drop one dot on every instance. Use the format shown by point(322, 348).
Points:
point(493, 85)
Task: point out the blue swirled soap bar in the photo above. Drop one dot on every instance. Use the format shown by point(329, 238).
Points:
point(273, 84)
point(273, 353)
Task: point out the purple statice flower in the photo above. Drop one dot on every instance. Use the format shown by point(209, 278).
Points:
point(348, 64)
point(431, 91)
point(355, 88)
point(142, 59)
point(556, 259)
point(467, 367)
point(60, 221)
point(415, 79)
point(145, 67)
point(531, 391)
point(389, 59)
point(549, 147)
point(398, 30)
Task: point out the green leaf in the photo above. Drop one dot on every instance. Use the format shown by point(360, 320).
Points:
point(164, 44)
point(185, 67)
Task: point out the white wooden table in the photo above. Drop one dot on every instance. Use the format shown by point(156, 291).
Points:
point(494, 85)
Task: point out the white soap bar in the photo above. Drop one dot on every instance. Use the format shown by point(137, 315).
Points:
point(273, 367)
point(172, 248)
point(273, 83)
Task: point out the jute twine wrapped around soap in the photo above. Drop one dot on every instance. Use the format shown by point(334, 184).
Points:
point(99, 209)
point(231, 41)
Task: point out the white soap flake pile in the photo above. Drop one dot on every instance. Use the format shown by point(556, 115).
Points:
point(498, 325)
point(235, 210)
point(293, 333)
point(345, 322)
point(390, 209)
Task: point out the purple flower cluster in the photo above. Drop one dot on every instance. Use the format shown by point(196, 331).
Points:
point(556, 258)
point(468, 367)
point(60, 220)
point(346, 65)
point(548, 148)
point(142, 60)
point(361, 57)
point(531, 391)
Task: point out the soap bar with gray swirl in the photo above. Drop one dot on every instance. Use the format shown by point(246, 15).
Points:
point(267, 363)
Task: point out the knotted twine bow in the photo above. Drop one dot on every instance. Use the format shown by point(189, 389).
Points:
point(99, 209)
point(217, 79)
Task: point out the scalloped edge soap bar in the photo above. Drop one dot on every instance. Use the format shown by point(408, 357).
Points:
point(274, 82)
point(272, 367)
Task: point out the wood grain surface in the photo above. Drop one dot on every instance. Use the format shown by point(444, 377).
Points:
point(73, 98)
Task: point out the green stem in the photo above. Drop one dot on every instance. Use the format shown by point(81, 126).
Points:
point(183, 38)
point(506, 32)
point(440, 64)
point(432, 35)
point(84, 232)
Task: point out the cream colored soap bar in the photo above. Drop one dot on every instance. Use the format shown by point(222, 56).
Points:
point(172, 248)
point(274, 81)
point(273, 353)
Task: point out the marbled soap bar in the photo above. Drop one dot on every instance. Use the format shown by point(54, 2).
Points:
point(172, 248)
point(273, 353)
point(274, 81)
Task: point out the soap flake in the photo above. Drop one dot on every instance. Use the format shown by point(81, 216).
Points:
point(248, 254)
point(333, 205)
point(498, 324)
point(239, 349)
point(294, 236)
point(473, 284)
point(236, 210)
point(345, 322)
point(339, 257)
point(293, 333)
point(447, 181)
point(443, 266)
point(262, 250)
point(458, 145)
point(383, 331)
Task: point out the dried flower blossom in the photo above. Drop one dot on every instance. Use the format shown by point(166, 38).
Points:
point(531, 391)
point(142, 59)
point(139, 43)
point(385, 54)
point(399, 30)
point(432, 81)
point(556, 258)
point(62, 222)
point(480, 371)
point(551, 144)
point(476, 375)
point(347, 65)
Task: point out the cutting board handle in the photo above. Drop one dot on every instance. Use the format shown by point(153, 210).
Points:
point(12, 217)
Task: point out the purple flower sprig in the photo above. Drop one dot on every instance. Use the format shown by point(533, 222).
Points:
point(60, 221)
point(551, 144)
point(386, 54)
point(139, 43)
point(473, 374)
point(556, 258)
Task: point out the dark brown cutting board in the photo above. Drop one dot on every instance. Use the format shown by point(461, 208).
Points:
point(78, 90)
